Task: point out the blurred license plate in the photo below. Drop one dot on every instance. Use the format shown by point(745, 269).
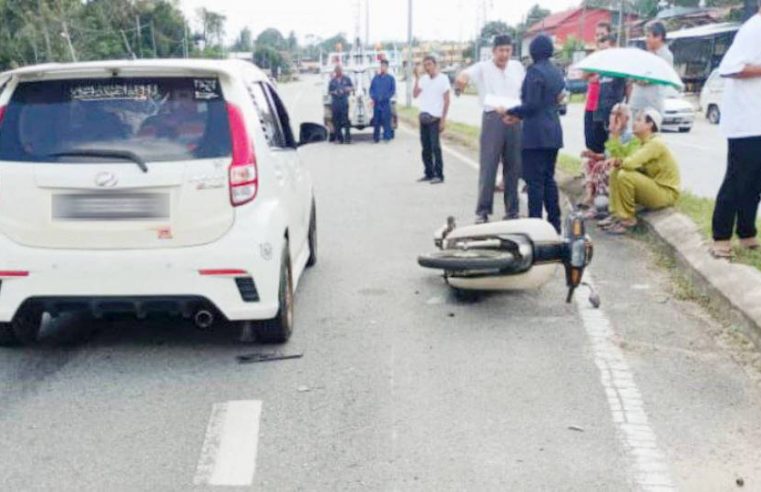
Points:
point(117, 206)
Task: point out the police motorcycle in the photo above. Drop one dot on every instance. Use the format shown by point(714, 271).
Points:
point(520, 254)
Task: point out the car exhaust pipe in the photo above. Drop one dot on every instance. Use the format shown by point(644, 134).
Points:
point(203, 319)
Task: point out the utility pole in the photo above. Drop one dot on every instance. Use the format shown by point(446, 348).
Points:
point(153, 41)
point(621, 15)
point(409, 53)
point(66, 35)
point(185, 41)
point(138, 35)
point(367, 22)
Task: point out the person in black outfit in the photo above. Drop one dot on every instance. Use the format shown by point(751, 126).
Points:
point(542, 134)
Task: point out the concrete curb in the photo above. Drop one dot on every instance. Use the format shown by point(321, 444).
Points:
point(733, 290)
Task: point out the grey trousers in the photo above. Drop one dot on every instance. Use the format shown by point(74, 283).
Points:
point(499, 143)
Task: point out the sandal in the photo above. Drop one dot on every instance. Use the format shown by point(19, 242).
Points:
point(750, 243)
point(721, 253)
point(607, 222)
point(620, 228)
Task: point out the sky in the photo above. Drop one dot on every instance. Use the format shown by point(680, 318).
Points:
point(454, 20)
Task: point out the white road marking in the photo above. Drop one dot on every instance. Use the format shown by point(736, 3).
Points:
point(651, 471)
point(228, 456)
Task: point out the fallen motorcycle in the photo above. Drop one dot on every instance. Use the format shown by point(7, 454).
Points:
point(512, 255)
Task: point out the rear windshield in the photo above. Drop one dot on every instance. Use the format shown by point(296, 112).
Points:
point(159, 119)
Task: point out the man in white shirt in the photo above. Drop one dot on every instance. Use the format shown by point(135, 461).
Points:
point(738, 199)
point(433, 89)
point(644, 95)
point(499, 82)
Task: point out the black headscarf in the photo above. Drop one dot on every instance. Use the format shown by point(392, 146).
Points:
point(541, 48)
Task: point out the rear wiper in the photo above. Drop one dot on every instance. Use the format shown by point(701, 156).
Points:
point(105, 153)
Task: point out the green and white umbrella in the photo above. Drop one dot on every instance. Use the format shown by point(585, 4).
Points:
point(631, 63)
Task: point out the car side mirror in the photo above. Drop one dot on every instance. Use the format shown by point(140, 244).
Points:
point(312, 133)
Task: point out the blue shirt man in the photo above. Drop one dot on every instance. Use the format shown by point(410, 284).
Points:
point(339, 88)
point(382, 90)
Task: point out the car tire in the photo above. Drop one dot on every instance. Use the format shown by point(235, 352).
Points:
point(279, 328)
point(8, 337)
point(26, 325)
point(685, 130)
point(312, 236)
point(713, 114)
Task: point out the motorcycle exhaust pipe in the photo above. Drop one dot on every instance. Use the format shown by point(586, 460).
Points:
point(203, 319)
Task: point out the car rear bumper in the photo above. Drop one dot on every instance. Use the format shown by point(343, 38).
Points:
point(204, 274)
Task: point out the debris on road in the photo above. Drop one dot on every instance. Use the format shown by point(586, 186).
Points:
point(266, 357)
point(575, 428)
point(740, 482)
point(303, 389)
point(451, 315)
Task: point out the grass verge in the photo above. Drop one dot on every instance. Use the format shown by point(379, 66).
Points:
point(700, 210)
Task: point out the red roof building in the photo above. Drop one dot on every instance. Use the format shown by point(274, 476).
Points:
point(579, 23)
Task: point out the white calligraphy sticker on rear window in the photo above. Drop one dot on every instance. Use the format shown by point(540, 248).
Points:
point(101, 92)
point(206, 89)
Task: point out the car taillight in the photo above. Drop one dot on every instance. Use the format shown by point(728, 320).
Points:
point(244, 179)
point(2, 114)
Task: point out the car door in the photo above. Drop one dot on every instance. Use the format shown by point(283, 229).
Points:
point(282, 152)
point(302, 181)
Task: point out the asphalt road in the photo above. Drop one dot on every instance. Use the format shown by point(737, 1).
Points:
point(401, 386)
point(701, 153)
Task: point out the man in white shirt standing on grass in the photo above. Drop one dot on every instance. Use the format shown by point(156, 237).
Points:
point(433, 89)
point(499, 82)
point(738, 198)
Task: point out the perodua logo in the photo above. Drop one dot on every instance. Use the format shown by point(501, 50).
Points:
point(106, 180)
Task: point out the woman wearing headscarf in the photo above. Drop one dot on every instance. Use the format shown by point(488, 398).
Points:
point(542, 133)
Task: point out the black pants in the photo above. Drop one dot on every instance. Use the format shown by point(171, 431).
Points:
point(539, 174)
point(738, 199)
point(595, 134)
point(430, 139)
point(341, 122)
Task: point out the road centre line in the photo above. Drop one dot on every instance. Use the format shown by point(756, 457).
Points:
point(649, 464)
point(228, 455)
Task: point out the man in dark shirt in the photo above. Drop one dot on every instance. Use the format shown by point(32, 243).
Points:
point(382, 89)
point(340, 87)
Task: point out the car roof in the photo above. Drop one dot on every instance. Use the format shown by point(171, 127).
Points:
point(61, 70)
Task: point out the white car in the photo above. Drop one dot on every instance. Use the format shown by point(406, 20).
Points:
point(710, 97)
point(151, 186)
point(678, 113)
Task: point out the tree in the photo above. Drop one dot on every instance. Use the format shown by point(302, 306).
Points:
point(271, 38)
point(494, 28)
point(536, 14)
point(330, 44)
point(213, 28)
point(292, 42)
point(571, 46)
point(245, 41)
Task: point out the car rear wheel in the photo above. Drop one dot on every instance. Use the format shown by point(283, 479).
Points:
point(312, 238)
point(26, 324)
point(8, 337)
point(279, 328)
point(714, 115)
point(685, 129)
